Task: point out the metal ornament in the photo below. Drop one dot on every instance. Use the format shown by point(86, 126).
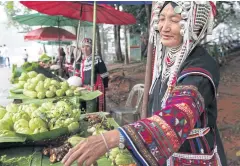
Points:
point(178, 9)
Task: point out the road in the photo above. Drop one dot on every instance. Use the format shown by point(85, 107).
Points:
point(5, 74)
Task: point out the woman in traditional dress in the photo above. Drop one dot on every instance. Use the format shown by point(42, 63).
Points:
point(181, 128)
point(100, 72)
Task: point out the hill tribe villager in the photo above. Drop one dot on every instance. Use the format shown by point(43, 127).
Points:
point(182, 110)
point(100, 71)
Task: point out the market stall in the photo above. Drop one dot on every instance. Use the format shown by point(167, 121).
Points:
point(40, 129)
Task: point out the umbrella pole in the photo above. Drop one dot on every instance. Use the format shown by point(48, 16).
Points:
point(78, 33)
point(77, 44)
point(148, 76)
point(93, 45)
point(59, 33)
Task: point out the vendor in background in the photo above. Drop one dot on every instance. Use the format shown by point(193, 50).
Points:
point(61, 60)
point(68, 67)
point(1, 57)
point(5, 55)
point(25, 56)
point(100, 72)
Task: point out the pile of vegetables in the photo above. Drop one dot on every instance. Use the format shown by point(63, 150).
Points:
point(17, 71)
point(99, 125)
point(36, 85)
point(121, 157)
point(56, 154)
point(32, 119)
point(15, 161)
point(45, 58)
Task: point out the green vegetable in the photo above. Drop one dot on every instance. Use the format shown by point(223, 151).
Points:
point(20, 115)
point(32, 74)
point(23, 77)
point(53, 88)
point(47, 105)
point(5, 125)
point(41, 95)
point(56, 83)
point(40, 77)
point(29, 93)
point(69, 121)
point(60, 92)
point(24, 130)
point(69, 92)
point(12, 108)
point(73, 87)
point(40, 130)
point(73, 127)
point(7, 133)
point(74, 140)
point(21, 123)
point(77, 92)
point(37, 123)
point(50, 94)
point(40, 86)
point(8, 117)
point(47, 83)
point(15, 161)
point(2, 112)
point(64, 85)
point(26, 85)
point(20, 84)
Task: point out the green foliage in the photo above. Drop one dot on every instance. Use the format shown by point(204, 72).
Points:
point(139, 12)
point(13, 8)
point(15, 161)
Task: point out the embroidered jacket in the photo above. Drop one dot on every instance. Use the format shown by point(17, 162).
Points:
point(100, 68)
point(185, 131)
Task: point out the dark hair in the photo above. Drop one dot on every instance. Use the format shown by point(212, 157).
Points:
point(166, 3)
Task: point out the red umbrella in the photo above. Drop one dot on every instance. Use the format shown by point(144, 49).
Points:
point(50, 34)
point(82, 11)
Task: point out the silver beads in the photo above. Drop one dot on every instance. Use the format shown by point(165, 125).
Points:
point(187, 5)
point(182, 24)
point(184, 15)
point(182, 31)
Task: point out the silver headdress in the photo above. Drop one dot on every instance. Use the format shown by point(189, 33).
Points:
point(197, 19)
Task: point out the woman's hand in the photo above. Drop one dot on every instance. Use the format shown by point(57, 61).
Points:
point(89, 150)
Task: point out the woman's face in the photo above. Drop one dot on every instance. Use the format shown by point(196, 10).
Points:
point(169, 27)
point(86, 50)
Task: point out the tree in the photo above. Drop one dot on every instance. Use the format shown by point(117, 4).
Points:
point(117, 39)
point(13, 8)
point(126, 45)
point(227, 14)
point(118, 49)
point(142, 14)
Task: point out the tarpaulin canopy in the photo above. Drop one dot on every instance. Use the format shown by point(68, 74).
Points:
point(82, 11)
point(50, 34)
point(123, 2)
point(39, 19)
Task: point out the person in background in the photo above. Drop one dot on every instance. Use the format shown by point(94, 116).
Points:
point(61, 60)
point(1, 58)
point(100, 72)
point(144, 44)
point(5, 54)
point(25, 56)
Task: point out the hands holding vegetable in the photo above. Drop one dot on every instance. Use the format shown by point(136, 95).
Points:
point(91, 149)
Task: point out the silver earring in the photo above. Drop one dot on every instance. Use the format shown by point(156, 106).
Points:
point(184, 15)
point(182, 32)
point(182, 24)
